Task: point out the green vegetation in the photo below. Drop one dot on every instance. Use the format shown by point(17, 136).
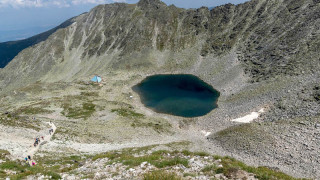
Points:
point(163, 175)
point(189, 174)
point(244, 128)
point(3, 174)
point(172, 162)
point(60, 164)
point(21, 117)
point(94, 85)
point(157, 125)
point(12, 165)
point(179, 145)
point(161, 159)
point(127, 113)
point(245, 136)
point(34, 110)
point(132, 157)
point(85, 111)
point(79, 106)
point(93, 94)
point(210, 169)
point(4, 154)
point(23, 171)
point(188, 153)
point(230, 166)
point(16, 121)
point(157, 158)
point(140, 120)
point(34, 88)
point(129, 151)
point(48, 166)
point(65, 131)
point(88, 176)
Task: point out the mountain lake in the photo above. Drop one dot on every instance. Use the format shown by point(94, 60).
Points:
point(180, 95)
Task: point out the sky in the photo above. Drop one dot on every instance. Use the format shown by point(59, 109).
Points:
point(28, 15)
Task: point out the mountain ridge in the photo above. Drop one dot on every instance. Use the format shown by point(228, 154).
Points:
point(150, 3)
point(259, 54)
point(186, 21)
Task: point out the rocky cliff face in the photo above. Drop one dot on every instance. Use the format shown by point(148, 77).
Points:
point(260, 54)
point(270, 37)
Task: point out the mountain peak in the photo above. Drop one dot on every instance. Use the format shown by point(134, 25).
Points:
point(150, 3)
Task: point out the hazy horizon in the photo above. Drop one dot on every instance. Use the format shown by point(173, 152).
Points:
point(22, 19)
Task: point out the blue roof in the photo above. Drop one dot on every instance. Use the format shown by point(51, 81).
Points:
point(96, 79)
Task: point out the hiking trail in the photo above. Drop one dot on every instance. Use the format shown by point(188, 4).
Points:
point(46, 138)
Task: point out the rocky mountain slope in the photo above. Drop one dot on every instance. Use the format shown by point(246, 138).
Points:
point(264, 33)
point(260, 54)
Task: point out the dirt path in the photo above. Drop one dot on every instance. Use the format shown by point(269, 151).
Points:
point(46, 138)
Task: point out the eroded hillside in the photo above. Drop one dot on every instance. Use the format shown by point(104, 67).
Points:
point(260, 54)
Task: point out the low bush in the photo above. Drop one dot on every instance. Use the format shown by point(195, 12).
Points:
point(161, 175)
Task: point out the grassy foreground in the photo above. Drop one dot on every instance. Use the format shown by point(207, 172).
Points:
point(53, 167)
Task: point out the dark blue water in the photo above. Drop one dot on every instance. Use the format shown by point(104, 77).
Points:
point(181, 95)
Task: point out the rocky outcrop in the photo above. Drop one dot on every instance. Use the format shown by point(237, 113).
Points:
point(258, 54)
point(271, 37)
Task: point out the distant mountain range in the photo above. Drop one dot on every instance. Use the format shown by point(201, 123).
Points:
point(19, 34)
point(8, 50)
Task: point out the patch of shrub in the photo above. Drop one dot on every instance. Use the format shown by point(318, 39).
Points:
point(3, 154)
point(163, 175)
point(53, 175)
point(84, 112)
point(171, 162)
point(127, 113)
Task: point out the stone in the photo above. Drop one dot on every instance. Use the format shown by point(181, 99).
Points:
point(143, 164)
point(132, 170)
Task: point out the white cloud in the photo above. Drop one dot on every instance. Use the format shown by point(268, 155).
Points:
point(21, 3)
point(60, 3)
point(53, 3)
point(76, 2)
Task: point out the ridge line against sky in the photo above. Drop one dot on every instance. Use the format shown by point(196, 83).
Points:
point(51, 3)
point(69, 3)
point(20, 19)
